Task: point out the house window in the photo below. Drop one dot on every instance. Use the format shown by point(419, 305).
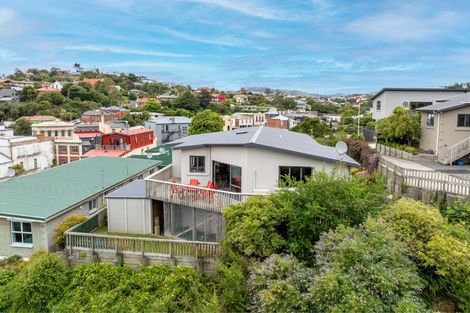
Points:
point(92, 205)
point(378, 105)
point(295, 172)
point(197, 164)
point(35, 163)
point(63, 133)
point(136, 139)
point(62, 149)
point(56, 133)
point(21, 233)
point(430, 119)
point(463, 120)
point(74, 150)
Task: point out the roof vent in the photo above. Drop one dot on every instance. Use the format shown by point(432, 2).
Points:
point(242, 132)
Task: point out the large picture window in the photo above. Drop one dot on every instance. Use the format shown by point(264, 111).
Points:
point(463, 120)
point(295, 172)
point(197, 164)
point(21, 233)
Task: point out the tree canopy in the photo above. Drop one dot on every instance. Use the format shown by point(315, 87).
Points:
point(206, 121)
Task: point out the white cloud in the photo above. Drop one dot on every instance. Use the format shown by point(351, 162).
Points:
point(112, 49)
point(6, 16)
point(250, 8)
point(404, 24)
point(185, 66)
point(221, 40)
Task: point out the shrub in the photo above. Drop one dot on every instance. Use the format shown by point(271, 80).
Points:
point(365, 269)
point(362, 153)
point(251, 227)
point(458, 212)
point(39, 285)
point(280, 284)
point(322, 203)
point(66, 224)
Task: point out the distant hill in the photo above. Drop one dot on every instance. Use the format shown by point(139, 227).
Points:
point(299, 93)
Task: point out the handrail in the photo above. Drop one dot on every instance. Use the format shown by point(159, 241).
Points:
point(458, 150)
point(71, 229)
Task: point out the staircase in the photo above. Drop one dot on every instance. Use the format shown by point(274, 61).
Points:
point(455, 152)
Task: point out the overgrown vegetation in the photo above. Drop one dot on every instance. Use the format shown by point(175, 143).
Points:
point(333, 244)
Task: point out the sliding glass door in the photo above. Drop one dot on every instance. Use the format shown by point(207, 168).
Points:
point(227, 177)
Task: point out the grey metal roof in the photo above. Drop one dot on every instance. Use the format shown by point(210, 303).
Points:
point(135, 189)
point(416, 89)
point(96, 112)
point(171, 120)
point(448, 104)
point(116, 108)
point(7, 93)
point(265, 138)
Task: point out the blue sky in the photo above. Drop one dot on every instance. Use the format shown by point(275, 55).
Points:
point(321, 46)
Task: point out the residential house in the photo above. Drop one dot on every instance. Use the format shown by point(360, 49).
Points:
point(134, 141)
point(118, 111)
point(211, 171)
point(17, 84)
point(98, 115)
point(53, 130)
point(240, 98)
point(34, 205)
point(33, 155)
point(241, 120)
point(217, 97)
point(57, 85)
point(445, 128)
point(387, 99)
point(279, 121)
point(169, 128)
point(8, 95)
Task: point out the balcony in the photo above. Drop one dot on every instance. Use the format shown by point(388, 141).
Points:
point(160, 186)
point(124, 147)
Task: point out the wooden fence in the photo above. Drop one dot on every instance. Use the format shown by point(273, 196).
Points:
point(393, 152)
point(400, 178)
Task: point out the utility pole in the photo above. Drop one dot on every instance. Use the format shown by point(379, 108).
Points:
point(358, 101)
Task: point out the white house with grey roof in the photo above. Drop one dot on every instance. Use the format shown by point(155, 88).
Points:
point(387, 99)
point(211, 171)
point(445, 128)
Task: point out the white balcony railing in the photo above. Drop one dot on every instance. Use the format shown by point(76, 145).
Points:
point(159, 188)
point(113, 147)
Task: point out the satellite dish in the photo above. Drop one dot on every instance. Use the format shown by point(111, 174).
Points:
point(341, 147)
point(162, 150)
point(149, 155)
point(10, 172)
point(465, 86)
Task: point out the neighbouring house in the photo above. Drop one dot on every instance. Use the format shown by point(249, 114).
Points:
point(387, 99)
point(279, 121)
point(34, 205)
point(36, 119)
point(445, 128)
point(217, 97)
point(240, 98)
point(169, 128)
point(98, 115)
point(242, 120)
point(118, 111)
point(57, 85)
point(33, 155)
point(8, 95)
point(167, 97)
point(140, 102)
point(211, 171)
point(53, 130)
point(134, 141)
point(17, 84)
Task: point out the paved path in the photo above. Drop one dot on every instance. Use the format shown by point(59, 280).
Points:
point(408, 164)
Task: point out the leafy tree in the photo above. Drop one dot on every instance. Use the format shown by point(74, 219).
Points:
point(39, 285)
point(206, 122)
point(365, 269)
point(313, 127)
point(54, 98)
point(28, 94)
point(22, 128)
point(281, 284)
point(251, 227)
point(152, 106)
point(186, 100)
point(132, 96)
point(458, 212)
point(204, 98)
point(400, 127)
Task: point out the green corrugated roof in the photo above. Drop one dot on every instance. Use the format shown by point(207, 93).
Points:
point(42, 195)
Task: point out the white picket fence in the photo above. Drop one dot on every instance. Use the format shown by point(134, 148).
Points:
point(393, 152)
point(427, 180)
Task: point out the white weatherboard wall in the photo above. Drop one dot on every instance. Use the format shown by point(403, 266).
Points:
point(392, 99)
point(260, 167)
point(127, 215)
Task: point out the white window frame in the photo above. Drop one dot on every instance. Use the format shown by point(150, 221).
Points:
point(92, 205)
point(22, 232)
point(199, 166)
point(378, 105)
